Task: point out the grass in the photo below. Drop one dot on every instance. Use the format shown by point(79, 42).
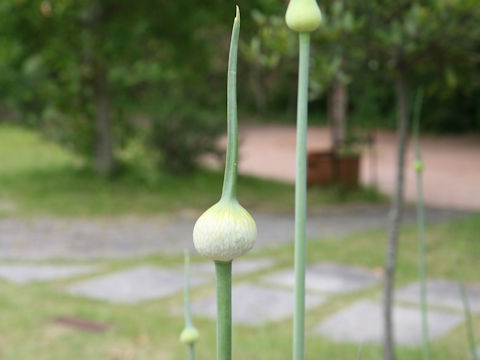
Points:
point(41, 178)
point(150, 330)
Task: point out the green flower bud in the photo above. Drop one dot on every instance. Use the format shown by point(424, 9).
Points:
point(189, 335)
point(418, 166)
point(224, 232)
point(303, 15)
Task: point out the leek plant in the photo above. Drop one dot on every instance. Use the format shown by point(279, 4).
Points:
point(226, 230)
point(421, 224)
point(189, 333)
point(303, 16)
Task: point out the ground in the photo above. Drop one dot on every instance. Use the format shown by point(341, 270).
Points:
point(56, 215)
point(452, 169)
point(149, 329)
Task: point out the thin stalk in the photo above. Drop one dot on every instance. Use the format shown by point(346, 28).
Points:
point(229, 191)
point(422, 261)
point(224, 310)
point(186, 293)
point(191, 352)
point(468, 316)
point(359, 355)
point(300, 199)
point(186, 300)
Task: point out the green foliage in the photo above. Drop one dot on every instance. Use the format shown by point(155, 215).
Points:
point(361, 43)
point(55, 83)
point(39, 177)
point(182, 131)
point(270, 47)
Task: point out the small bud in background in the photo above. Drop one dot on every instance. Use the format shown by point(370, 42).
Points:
point(418, 166)
point(224, 232)
point(189, 335)
point(303, 15)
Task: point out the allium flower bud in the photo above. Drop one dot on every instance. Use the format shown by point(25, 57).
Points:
point(418, 166)
point(189, 335)
point(303, 15)
point(224, 232)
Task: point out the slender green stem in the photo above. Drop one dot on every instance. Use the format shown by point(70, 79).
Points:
point(229, 191)
point(191, 352)
point(300, 199)
point(421, 225)
point(186, 293)
point(359, 354)
point(468, 316)
point(224, 310)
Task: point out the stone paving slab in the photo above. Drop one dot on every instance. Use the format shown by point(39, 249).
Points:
point(255, 305)
point(442, 293)
point(241, 266)
point(362, 322)
point(23, 273)
point(327, 277)
point(135, 285)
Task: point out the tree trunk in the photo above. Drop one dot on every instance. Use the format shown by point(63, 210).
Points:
point(104, 161)
point(257, 87)
point(395, 216)
point(337, 111)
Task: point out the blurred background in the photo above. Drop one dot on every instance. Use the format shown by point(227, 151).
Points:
point(112, 123)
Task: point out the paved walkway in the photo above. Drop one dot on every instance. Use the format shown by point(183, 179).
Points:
point(452, 171)
point(269, 298)
point(44, 238)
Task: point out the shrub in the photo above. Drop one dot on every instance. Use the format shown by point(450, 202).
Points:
point(181, 132)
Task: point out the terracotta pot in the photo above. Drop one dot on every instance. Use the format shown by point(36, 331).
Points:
point(348, 170)
point(327, 167)
point(320, 168)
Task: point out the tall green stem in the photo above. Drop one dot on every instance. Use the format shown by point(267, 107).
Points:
point(421, 224)
point(186, 293)
point(191, 352)
point(359, 354)
point(224, 310)
point(229, 191)
point(468, 316)
point(300, 199)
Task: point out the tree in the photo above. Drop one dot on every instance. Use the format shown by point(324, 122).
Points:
point(336, 62)
point(82, 71)
point(407, 36)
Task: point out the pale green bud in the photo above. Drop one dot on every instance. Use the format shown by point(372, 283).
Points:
point(418, 166)
point(303, 15)
point(224, 232)
point(189, 335)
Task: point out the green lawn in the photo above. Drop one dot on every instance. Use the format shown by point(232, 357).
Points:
point(150, 330)
point(38, 177)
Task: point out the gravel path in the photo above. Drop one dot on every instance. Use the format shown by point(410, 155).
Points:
point(44, 238)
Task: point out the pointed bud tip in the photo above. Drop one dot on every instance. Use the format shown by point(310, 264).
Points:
point(237, 14)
